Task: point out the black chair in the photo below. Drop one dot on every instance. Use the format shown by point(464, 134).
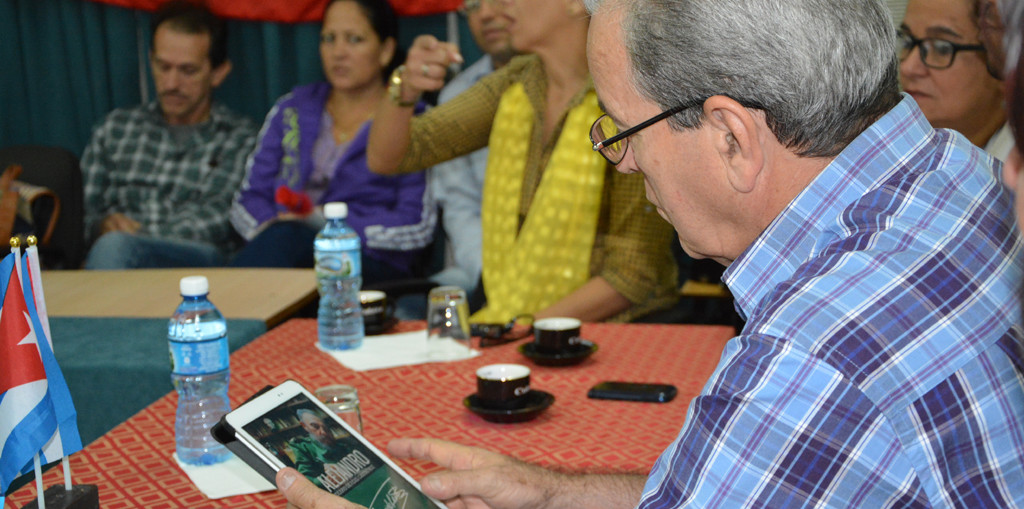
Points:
point(431, 262)
point(703, 299)
point(58, 170)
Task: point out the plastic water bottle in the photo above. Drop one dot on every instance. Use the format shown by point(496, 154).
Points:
point(198, 338)
point(339, 274)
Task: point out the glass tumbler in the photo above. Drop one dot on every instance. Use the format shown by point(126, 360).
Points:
point(447, 323)
point(344, 401)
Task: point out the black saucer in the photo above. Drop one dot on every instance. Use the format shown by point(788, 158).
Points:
point(574, 355)
point(536, 402)
point(373, 330)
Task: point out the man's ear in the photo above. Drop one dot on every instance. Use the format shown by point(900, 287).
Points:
point(220, 73)
point(737, 137)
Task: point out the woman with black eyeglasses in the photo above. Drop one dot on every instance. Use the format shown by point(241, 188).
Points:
point(944, 69)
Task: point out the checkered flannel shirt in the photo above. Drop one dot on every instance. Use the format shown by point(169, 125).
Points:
point(133, 165)
point(881, 361)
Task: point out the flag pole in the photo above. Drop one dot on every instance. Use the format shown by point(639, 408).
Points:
point(37, 284)
point(66, 462)
point(40, 498)
point(40, 301)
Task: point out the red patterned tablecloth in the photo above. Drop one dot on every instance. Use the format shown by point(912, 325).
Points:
point(133, 467)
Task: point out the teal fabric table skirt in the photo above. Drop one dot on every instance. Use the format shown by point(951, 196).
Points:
point(115, 367)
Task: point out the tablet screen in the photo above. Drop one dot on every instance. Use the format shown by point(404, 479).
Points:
point(301, 435)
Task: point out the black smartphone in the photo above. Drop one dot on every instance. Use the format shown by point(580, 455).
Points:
point(632, 391)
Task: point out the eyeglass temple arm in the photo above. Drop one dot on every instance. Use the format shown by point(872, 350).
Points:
point(653, 120)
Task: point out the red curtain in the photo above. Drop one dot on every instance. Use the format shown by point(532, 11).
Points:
point(291, 11)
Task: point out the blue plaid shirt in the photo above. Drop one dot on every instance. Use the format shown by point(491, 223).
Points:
point(881, 361)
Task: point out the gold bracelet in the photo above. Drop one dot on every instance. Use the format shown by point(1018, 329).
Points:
point(395, 89)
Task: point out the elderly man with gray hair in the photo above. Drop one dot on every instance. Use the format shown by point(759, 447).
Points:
point(874, 258)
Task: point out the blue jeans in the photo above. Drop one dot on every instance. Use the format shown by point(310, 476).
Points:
point(119, 250)
point(289, 244)
point(284, 245)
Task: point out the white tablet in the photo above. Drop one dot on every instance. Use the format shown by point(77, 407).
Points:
point(287, 426)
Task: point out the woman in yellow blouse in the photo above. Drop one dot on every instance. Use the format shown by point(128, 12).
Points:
point(564, 233)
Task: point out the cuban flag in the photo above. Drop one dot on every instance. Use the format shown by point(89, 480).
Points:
point(36, 412)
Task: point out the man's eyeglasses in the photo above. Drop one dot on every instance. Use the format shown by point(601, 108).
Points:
point(935, 53)
point(612, 144)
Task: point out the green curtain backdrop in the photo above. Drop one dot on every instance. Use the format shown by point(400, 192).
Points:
point(67, 63)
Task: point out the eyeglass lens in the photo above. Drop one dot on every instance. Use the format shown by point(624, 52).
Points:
point(603, 129)
point(935, 53)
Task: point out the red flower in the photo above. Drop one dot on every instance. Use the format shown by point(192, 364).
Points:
point(296, 202)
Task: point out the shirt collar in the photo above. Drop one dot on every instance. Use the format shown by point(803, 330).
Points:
point(218, 115)
point(811, 220)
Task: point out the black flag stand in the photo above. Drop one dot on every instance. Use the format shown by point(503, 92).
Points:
point(80, 496)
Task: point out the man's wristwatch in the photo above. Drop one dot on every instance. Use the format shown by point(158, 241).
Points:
point(395, 89)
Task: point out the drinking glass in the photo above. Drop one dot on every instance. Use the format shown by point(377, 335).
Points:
point(344, 401)
point(447, 323)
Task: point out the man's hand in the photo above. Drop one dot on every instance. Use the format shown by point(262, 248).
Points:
point(477, 478)
point(302, 494)
point(118, 222)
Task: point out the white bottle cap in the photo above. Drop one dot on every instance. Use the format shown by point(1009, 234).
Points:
point(194, 286)
point(336, 210)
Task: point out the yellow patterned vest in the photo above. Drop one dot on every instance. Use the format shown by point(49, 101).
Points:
point(528, 270)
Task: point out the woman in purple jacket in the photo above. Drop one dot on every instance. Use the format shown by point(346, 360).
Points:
point(312, 150)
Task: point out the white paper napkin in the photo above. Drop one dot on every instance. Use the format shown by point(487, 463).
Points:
point(225, 479)
point(391, 350)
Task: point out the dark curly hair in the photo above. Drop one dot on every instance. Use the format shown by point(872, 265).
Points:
point(193, 17)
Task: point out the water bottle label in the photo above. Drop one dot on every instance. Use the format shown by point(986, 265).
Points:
point(200, 357)
point(341, 264)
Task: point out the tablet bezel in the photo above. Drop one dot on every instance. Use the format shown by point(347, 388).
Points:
point(270, 400)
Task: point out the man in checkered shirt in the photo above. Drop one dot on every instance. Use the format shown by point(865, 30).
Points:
point(160, 177)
